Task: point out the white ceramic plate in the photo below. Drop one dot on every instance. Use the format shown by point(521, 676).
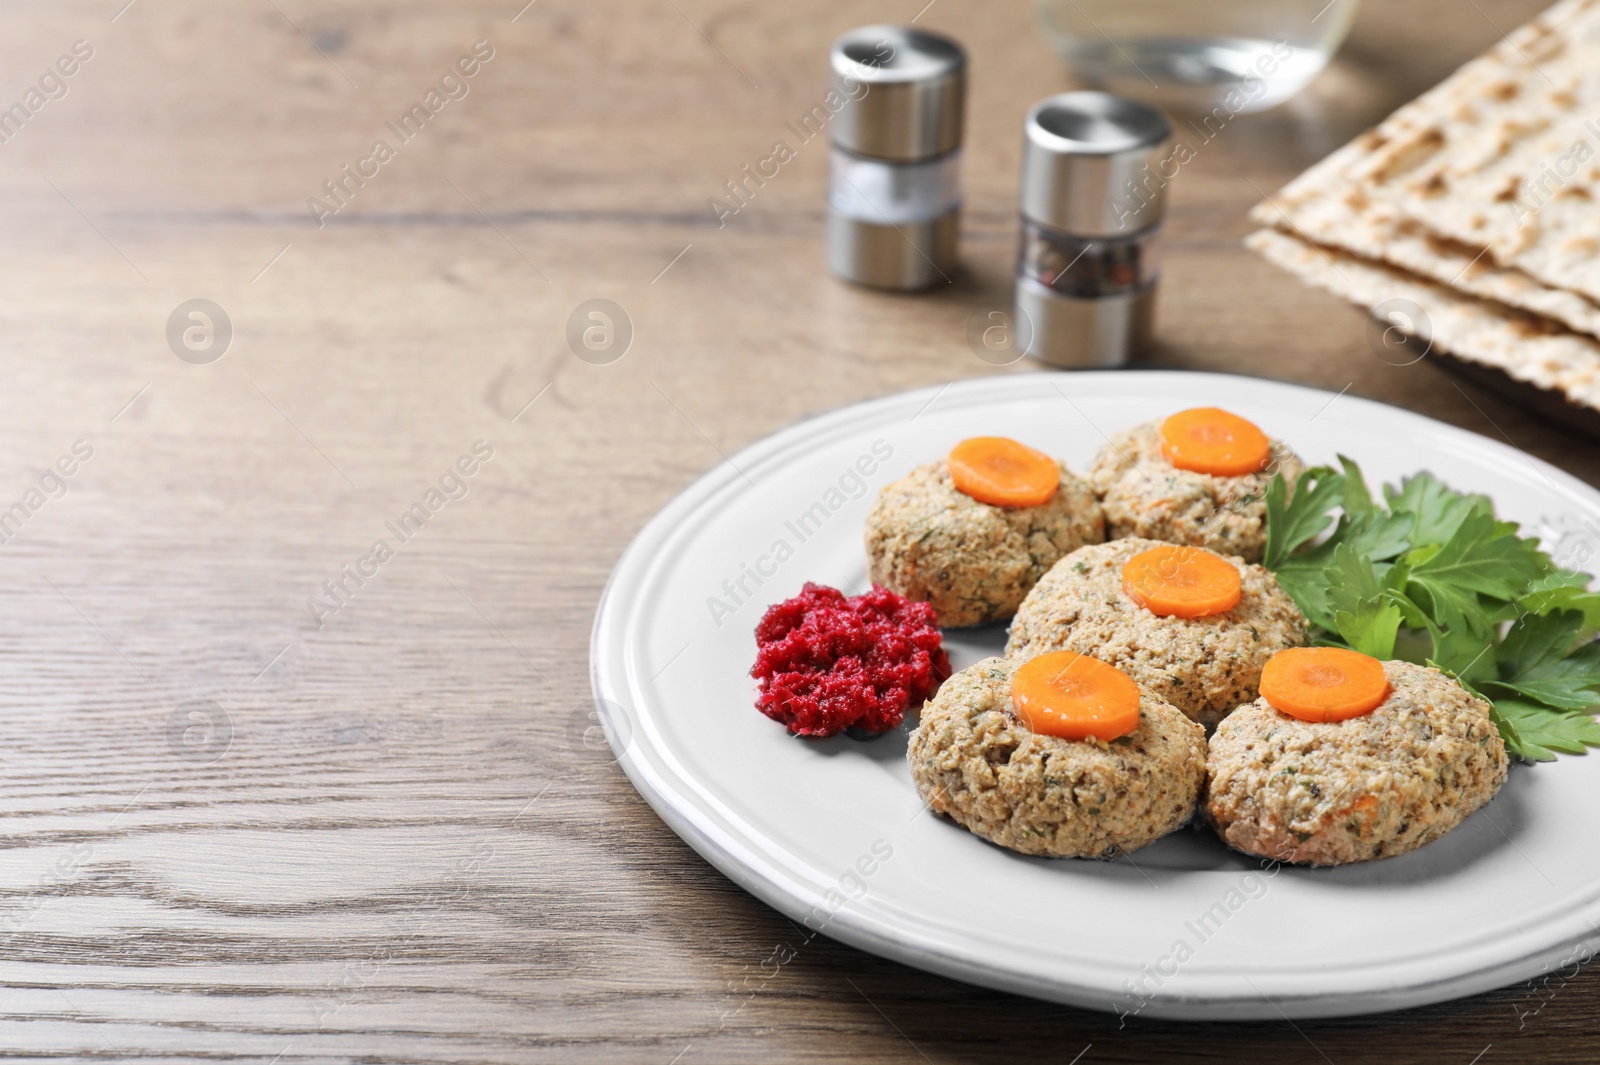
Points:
point(832, 834)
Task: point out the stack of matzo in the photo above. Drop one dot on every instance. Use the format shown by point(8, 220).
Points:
point(1479, 202)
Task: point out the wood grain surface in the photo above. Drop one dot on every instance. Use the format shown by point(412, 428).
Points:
point(239, 827)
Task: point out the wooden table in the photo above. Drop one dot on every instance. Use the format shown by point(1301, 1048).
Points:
point(249, 819)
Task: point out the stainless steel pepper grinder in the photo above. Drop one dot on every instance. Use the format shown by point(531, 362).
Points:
point(1093, 194)
point(894, 180)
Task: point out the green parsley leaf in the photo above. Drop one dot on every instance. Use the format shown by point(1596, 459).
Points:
point(1355, 497)
point(1351, 579)
point(1533, 661)
point(1378, 535)
point(1563, 590)
point(1305, 584)
point(1366, 620)
point(1293, 521)
point(1540, 732)
point(1372, 532)
point(1536, 641)
point(1482, 557)
point(1439, 511)
point(1463, 653)
point(1370, 630)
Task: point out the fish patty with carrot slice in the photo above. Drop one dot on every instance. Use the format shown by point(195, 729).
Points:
point(1373, 785)
point(978, 758)
point(1145, 494)
point(973, 560)
point(1110, 601)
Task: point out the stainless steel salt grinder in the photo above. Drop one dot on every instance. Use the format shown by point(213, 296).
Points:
point(1093, 193)
point(894, 180)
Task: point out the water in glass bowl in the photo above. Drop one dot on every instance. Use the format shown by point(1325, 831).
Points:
point(1198, 55)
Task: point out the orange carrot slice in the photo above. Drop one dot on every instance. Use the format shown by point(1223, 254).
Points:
point(1324, 683)
point(1181, 582)
point(1074, 697)
point(1211, 440)
point(999, 471)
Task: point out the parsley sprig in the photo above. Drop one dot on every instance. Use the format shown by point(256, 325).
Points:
point(1430, 575)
